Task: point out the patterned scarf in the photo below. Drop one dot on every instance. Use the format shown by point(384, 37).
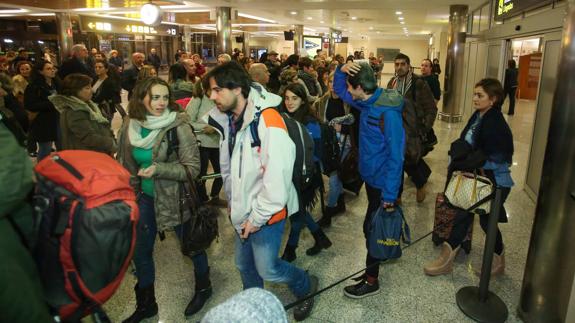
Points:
point(402, 84)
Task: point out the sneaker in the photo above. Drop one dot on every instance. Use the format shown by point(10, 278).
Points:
point(361, 290)
point(303, 310)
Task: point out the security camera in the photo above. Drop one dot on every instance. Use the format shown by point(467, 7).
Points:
point(518, 28)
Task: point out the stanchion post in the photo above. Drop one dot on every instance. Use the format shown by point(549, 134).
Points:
point(479, 303)
point(490, 245)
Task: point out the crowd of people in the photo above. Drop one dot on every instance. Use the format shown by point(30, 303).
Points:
point(236, 110)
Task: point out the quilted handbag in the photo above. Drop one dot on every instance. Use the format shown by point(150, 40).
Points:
point(470, 192)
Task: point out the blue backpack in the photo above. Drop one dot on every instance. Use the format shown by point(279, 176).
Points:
point(388, 226)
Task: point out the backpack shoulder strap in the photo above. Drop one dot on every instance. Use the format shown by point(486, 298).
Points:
point(271, 117)
point(173, 140)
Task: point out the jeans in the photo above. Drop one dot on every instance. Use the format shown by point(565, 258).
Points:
point(335, 185)
point(145, 240)
point(44, 149)
point(213, 156)
point(257, 260)
point(303, 217)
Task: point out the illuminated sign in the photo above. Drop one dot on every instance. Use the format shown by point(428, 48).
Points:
point(88, 24)
point(103, 26)
point(136, 29)
point(510, 8)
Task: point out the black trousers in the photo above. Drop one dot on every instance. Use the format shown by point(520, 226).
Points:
point(419, 174)
point(211, 155)
point(374, 201)
point(464, 220)
point(511, 93)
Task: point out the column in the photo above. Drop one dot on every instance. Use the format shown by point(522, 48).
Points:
point(454, 82)
point(65, 40)
point(224, 30)
point(246, 44)
point(331, 51)
point(548, 290)
point(188, 39)
point(298, 39)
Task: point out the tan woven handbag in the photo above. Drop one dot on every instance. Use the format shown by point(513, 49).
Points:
point(466, 190)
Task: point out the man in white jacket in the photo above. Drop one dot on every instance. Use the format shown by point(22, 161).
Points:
point(257, 180)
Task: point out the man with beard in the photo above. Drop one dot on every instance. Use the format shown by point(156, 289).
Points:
point(257, 180)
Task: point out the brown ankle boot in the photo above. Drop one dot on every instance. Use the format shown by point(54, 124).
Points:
point(497, 266)
point(444, 263)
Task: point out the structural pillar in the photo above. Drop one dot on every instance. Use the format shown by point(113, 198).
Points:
point(246, 44)
point(188, 39)
point(548, 291)
point(224, 30)
point(454, 66)
point(65, 40)
point(331, 50)
point(298, 39)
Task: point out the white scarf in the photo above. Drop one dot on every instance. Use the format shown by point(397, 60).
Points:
point(154, 123)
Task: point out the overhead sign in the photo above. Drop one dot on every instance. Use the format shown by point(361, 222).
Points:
point(311, 45)
point(509, 8)
point(91, 24)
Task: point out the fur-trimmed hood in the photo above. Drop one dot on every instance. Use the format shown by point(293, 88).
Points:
point(64, 102)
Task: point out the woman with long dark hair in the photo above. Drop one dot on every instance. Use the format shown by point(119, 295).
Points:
point(44, 127)
point(179, 85)
point(297, 107)
point(106, 88)
point(159, 172)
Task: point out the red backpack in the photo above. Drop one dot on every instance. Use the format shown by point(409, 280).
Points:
point(87, 230)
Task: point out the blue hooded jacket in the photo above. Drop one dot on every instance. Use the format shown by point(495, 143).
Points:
point(380, 153)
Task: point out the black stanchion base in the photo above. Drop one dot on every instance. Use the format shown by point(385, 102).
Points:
point(493, 310)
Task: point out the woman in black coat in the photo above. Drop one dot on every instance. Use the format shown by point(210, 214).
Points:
point(106, 88)
point(485, 147)
point(44, 128)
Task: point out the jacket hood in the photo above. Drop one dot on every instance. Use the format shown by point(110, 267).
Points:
point(259, 99)
point(64, 102)
point(389, 99)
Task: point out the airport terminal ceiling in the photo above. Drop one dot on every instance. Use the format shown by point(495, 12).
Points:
point(371, 18)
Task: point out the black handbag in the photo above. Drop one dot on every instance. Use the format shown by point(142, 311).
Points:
point(202, 228)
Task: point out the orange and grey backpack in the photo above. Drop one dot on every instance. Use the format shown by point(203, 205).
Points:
point(88, 216)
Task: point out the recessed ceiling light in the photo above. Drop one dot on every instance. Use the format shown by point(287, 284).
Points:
point(402, 22)
point(370, 28)
point(294, 12)
point(353, 18)
point(345, 30)
point(379, 32)
point(321, 22)
point(309, 18)
point(398, 12)
point(400, 18)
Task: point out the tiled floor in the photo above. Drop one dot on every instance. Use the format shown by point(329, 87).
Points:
point(407, 294)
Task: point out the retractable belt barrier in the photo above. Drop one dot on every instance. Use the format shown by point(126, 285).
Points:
point(456, 221)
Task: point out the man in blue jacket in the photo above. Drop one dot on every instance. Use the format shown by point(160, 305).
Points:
point(381, 151)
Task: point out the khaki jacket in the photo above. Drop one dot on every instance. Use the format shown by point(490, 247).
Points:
point(82, 125)
point(170, 171)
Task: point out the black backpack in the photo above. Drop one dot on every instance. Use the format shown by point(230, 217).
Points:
point(304, 169)
point(330, 151)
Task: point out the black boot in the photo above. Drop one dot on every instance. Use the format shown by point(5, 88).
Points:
point(146, 305)
point(289, 253)
point(325, 221)
point(202, 294)
point(340, 206)
point(321, 242)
